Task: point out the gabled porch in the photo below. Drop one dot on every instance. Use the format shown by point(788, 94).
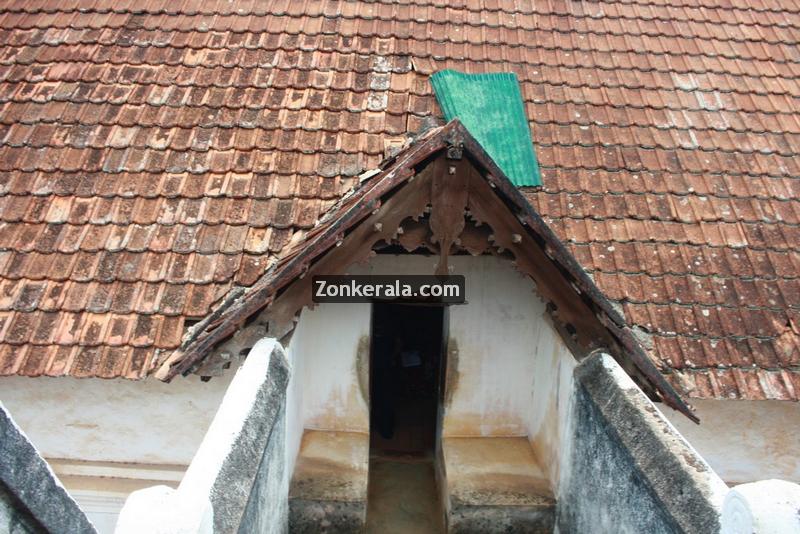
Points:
point(504, 382)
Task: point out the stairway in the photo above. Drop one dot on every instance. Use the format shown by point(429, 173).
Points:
point(481, 484)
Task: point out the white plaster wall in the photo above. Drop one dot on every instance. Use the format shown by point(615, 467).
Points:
point(295, 391)
point(745, 441)
point(549, 400)
point(326, 340)
point(496, 336)
point(495, 332)
point(144, 421)
point(513, 372)
point(294, 404)
point(768, 506)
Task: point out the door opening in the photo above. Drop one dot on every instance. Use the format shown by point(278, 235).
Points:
point(405, 377)
point(406, 373)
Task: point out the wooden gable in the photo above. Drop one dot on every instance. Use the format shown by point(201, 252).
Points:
point(443, 195)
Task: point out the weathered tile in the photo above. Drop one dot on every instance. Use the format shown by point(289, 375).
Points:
point(668, 167)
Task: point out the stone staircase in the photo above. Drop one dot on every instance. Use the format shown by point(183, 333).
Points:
point(486, 484)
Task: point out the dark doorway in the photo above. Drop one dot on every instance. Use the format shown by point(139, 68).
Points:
point(406, 372)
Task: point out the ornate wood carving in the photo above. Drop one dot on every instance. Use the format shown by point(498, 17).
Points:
point(460, 201)
point(577, 302)
point(475, 239)
point(448, 201)
point(454, 198)
point(382, 225)
point(416, 234)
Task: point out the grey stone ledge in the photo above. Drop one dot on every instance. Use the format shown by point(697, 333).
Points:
point(689, 490)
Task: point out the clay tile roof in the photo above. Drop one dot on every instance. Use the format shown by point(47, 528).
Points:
point(154, 155)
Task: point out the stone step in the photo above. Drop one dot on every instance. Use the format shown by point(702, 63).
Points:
point(328, 491)
point(495, 484)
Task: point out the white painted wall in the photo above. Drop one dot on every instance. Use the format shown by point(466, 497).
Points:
point(765, 507)
point(326, 338)
point(497, 333)
point(549, 400)
point(515, 372)
point(102, 509)
point(138, 425)
point(745, 441)
point(145, 421)
point(323, 391)
point(294, 405)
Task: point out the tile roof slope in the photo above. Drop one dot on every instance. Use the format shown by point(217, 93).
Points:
point(155, 154)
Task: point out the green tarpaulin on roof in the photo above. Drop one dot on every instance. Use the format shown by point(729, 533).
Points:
point(491, 107)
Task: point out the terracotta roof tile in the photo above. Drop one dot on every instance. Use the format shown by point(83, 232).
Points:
point(150, 160)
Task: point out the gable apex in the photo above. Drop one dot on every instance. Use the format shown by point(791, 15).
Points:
point(444, 176)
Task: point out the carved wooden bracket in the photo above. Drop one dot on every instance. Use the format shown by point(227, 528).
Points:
point(465, 214)
point(415, 234)
point(449, 200)
point(386, 209)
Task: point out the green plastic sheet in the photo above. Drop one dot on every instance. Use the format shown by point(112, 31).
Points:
point(490, 106)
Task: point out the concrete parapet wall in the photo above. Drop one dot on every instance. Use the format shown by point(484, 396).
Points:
point(236, 481)
point(32, 498)
point(764, 507)
point(626, 468)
